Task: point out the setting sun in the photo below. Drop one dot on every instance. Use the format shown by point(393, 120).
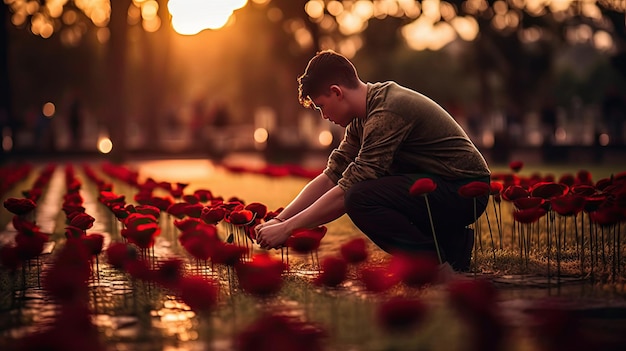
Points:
point(190, 17)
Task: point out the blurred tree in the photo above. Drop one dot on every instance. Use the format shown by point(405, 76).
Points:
point(508, 46)
point(6, 113)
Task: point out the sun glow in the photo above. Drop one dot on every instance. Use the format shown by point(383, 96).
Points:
point(190, 17)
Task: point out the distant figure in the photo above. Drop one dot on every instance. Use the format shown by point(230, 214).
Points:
point(75, 123)
point(548, 115)
point(393, 137)
point(548, 122)
point(614, 115)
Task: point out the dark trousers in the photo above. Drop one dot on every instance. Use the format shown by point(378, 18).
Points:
point(395, 220)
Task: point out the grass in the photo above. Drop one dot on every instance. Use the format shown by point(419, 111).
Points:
point(144, 316)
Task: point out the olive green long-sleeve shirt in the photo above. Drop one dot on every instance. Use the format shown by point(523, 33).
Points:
point(403, 132)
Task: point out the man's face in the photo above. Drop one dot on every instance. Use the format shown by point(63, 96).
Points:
point(333, 107)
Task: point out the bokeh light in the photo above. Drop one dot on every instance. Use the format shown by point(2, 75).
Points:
point(105, 145)
point(261, 135)
point(48, 109)
point(325, 138)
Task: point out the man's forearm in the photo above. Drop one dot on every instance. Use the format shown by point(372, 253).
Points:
point(309, 194)
point(327, 208)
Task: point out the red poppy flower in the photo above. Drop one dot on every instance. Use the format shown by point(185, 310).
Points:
point(529, 215)
point(204, 230)
point(476, 302)
point(261, 276)
point(583, 190)
point(240, 217)
point(414, 269)
point(199, 246)
point(120, 253)
point(400, 314)
point(33, 194)
point(109, 198)
point(354, 251)
point(275, 171)
point(378, 279)
point(516, 166)
point(120, 212)
point(334, 272)
point(188, 224)
point(584, 177)
point(495, 188)
point(176, 193)
point(72, 210)
point(162, 203)
point(143, 197)
point(567, 205)
point(169, 272)
point(74, 232)
point(177, 209)
point(272, 214)
point(135, 219)
point(142, 235)
point(148, 210)
point(73, 198)
point(474, 189)
point(607, 215)
point(593, 202)
point(233, 204)
point(19, 206)
point(82, 221)
point(67, 277)
point(190, 199)
point(524, 203)
point(422, 186)
point(275, 332)
point(139, 269)
point(473, 297)
point(193, 210)
point(213, 215)
point(258, 209)
point(548, 190)
point(29, 239)
point(304, 240)
point(93, 242)
point(227, 254)
point(514, 192)
point(199, 293)
point(567, 179)
point(203, 195)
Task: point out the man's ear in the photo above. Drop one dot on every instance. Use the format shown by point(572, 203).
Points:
point(336, 90)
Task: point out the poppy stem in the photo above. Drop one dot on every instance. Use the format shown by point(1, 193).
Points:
point(432, 228)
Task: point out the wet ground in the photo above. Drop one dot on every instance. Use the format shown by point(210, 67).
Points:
point(133, 316)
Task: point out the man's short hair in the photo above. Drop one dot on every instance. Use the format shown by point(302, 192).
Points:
point(323, 70)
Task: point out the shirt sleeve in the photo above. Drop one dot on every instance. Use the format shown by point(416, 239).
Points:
point(345, 154)
point(383, 133)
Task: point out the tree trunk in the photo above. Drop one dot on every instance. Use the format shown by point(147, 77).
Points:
point(116, 68)
point(7, 120)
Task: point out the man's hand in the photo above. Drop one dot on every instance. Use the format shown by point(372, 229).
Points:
point(272, 235)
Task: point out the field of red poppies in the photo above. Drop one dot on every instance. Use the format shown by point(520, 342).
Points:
point(102, 256)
